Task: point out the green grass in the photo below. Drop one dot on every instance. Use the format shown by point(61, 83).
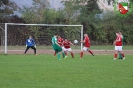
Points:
point(45, 71)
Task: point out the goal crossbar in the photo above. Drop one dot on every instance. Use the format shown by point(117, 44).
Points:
point(41, 24)
point(22, 24)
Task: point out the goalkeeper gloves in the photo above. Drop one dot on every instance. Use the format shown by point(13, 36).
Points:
point(35, 46)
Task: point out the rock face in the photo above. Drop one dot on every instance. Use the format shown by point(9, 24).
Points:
point(109, 4)
point(106, 4)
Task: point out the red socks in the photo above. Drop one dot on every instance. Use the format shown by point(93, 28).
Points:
point(54, 53)
point(65, 53)
point(115, 55)
point(123, 55)
point(81, 54)
point(90, 52)
point(72, 55)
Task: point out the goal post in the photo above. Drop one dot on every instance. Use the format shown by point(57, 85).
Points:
point(22, 24)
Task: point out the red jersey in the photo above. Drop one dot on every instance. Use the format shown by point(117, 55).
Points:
point(120, 42)
point(87, 41)
point(60, 41)
point(66, 44)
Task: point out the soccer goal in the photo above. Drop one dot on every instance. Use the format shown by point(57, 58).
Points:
point(17, 33)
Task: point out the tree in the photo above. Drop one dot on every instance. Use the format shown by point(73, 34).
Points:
point(7, 8)
point(77, 12)
point(35, 13)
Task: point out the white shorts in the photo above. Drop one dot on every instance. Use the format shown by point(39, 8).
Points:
point(86, 48)
point(119, 48)
point(66, 49)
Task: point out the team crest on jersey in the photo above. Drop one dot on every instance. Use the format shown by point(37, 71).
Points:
point(29, 40)
point(123, 7)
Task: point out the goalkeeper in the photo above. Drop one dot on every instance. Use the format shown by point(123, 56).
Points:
point(57, 47)
point(30, 43)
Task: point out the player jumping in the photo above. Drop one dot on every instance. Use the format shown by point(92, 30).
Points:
point(67, 47)
point(86, 41)
point(118, 46)
point(57, 47)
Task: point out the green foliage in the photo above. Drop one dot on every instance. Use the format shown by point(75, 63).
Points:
point(101, 31)
point(37, 14)
point(7, 9)
point(117, 23)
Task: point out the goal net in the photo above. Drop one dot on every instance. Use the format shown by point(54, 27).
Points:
point(16, 34)
point(2, 37)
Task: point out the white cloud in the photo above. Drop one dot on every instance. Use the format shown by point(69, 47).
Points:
point(21, 3)
point(56, 4)
point(53, 3)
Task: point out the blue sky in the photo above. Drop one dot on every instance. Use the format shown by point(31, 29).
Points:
point(53, 3)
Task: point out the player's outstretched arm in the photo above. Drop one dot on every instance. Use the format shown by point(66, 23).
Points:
point(72, 44)
point(82, 41)
point(114, 42)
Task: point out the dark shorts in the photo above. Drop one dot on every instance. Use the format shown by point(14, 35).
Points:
point(32, 47)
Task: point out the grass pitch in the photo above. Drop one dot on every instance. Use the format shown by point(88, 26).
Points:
point(45, 71)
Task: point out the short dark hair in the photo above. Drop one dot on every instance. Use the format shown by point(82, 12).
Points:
point(55, 34)
point(66, 39)
point(117, 32)
point(120, 31)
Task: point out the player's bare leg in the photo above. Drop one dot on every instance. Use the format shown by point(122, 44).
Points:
point(72, 54)
point(65, 53)
point(115, 55)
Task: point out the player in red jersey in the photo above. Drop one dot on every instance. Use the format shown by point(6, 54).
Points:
point(67, 47)
point(60, 42)
point(118, 46)
point(86, 42)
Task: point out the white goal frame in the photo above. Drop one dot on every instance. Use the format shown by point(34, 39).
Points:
point(22, 24)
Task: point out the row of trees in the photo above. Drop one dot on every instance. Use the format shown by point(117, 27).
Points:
point(101, 31)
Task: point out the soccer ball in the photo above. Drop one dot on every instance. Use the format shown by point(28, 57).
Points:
point(75, 41)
